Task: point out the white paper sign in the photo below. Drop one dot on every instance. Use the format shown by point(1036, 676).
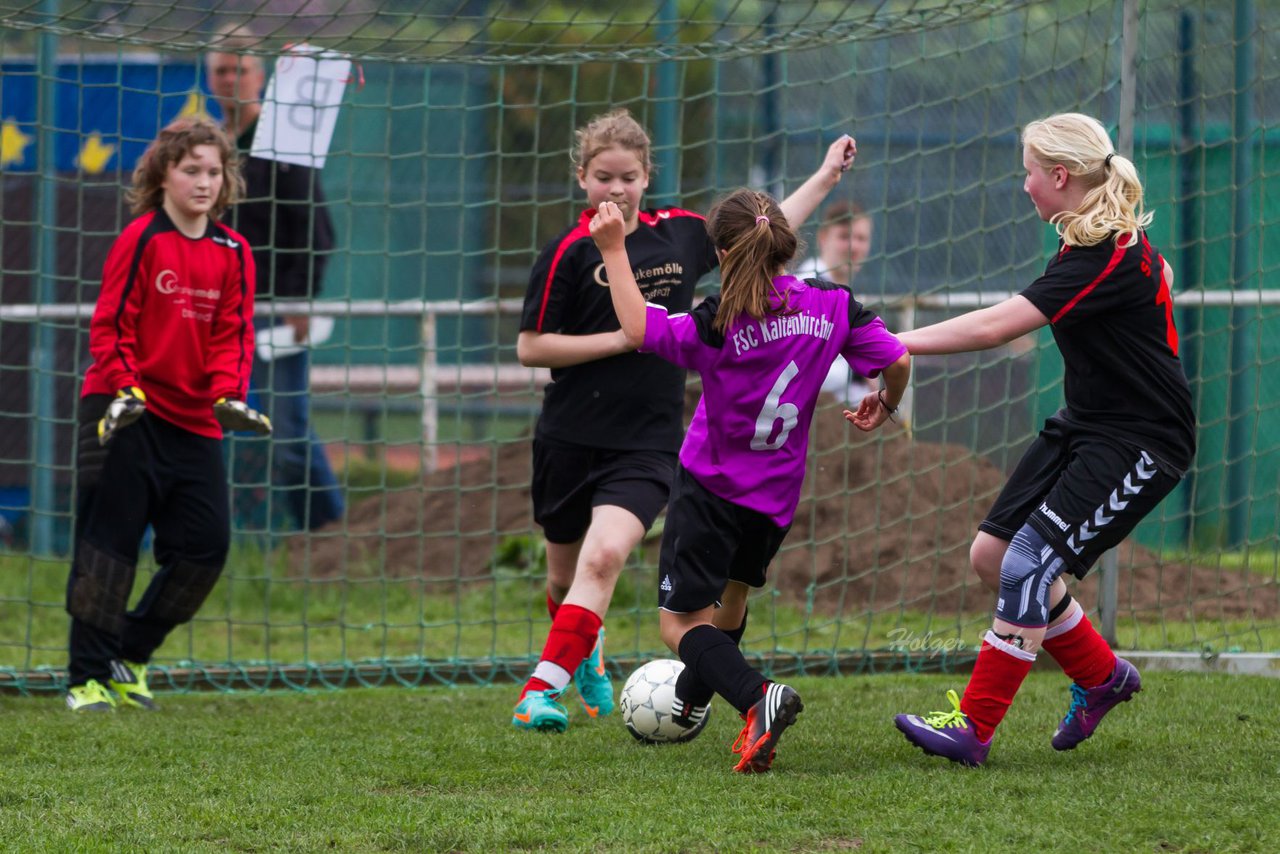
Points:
point(300, 108)
point(277, 342)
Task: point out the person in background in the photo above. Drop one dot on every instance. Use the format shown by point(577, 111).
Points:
point(284, 218)
point(844, 241)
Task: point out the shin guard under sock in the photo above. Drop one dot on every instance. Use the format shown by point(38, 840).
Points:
point(997, 676)
point(573, 634)
point(692, 691)
point(718, 663)
point(1082, 653)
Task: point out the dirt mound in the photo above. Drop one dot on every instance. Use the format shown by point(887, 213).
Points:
point(885, 522)
point(447, 527)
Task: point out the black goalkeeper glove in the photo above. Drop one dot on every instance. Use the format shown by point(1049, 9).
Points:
point(126, 408)
point(237, 415)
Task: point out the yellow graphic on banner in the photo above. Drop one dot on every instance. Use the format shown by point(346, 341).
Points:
point(94, 155)
point(13, 144)
point(194, 107)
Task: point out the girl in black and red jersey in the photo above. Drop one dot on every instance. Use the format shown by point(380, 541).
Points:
point(605, 446)
point(171, 341)
point(1120, 444)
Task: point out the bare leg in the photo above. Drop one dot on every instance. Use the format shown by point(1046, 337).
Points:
point(614, 532)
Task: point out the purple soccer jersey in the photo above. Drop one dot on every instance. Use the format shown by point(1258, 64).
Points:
point(750, 433)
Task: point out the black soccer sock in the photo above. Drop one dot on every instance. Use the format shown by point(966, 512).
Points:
point(718, 662)
point(692, 691)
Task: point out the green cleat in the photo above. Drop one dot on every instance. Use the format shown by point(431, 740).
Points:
point(129, 680)
point(595, 690)
point(540, 711)
point(90, 697)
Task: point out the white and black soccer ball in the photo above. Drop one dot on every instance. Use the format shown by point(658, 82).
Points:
point(646, 702)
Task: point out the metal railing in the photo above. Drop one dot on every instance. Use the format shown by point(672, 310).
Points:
point(429, 378)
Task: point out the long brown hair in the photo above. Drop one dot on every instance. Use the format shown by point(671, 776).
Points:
point(173, 143)
point(1113, 203)
point(758, 242)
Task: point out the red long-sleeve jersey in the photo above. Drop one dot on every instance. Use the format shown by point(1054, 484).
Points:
point(175, 318)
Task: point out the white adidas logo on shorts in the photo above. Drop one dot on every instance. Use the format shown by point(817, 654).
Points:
point(666, 584)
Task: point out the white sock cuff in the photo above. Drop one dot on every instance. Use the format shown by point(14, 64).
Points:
point(553, 674)
point(1075, 615)
point(1008, 648)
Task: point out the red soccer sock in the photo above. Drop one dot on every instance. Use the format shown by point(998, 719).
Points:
point(573, 634)
point(552, 605)
point(997, 676)
point(1082, 653)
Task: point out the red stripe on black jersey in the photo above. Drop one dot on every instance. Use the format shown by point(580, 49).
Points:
point(583, 229)
point(1084, 292)
point(579, 231)
point(666, 213)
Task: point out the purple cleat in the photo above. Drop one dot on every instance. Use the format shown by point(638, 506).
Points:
point(1090, 705)
point(946, 734)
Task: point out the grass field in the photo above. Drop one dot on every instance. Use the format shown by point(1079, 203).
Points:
point(260, 612)
point(1188, 766)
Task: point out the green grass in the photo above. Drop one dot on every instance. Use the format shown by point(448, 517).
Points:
point(262, 612)
point(1186, 767)
point(406, 427)
point(1264, 562)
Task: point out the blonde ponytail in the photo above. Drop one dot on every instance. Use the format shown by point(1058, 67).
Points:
point(1113, 202)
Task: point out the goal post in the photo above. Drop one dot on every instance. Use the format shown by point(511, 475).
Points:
point(448, 171)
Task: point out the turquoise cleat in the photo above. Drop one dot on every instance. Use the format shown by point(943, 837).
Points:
point(595, 689)
point(540, 711)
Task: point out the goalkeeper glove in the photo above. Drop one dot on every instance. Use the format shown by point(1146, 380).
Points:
point(126, 408)
point(237, 415)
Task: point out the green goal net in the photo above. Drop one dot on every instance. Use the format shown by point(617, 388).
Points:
point(448, 170)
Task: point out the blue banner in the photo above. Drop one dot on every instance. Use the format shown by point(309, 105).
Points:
point(106, 111)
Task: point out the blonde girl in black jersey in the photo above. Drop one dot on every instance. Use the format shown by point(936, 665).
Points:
point(1121, 442)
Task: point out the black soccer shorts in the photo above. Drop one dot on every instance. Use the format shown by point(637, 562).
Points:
point(1084, 493)
point(569, 480)
point(708, 542)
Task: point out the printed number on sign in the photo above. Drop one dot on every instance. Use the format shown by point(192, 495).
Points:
point(773, 411)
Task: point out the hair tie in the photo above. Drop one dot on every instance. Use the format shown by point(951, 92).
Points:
point(762, 218)
point(1106, 161)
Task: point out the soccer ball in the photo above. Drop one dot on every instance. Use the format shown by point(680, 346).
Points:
point(646, 703)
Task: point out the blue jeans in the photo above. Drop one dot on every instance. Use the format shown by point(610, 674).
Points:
point(302, 484)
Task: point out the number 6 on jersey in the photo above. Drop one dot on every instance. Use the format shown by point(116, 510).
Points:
point(773, 410)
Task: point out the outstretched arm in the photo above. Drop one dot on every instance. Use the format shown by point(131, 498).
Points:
point(556, 350)
point(875, 408)
point(977, 330)
point(801, 204)
point(608, 230)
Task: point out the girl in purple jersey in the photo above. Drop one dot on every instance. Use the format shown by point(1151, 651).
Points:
point(604, 449)
point(763, 346)
point(1102, 463)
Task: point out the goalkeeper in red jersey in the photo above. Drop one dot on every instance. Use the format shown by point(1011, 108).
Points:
point(172, 345)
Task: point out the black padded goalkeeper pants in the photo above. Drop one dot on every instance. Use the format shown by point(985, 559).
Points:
point(155, 474)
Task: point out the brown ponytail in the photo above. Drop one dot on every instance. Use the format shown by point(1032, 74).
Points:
point(758, 241)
